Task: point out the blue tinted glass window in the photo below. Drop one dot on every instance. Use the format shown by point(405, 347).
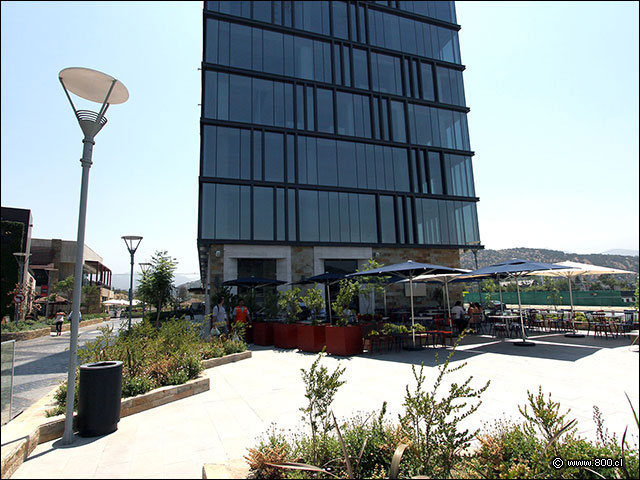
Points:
point(397, 121)
point(256, 53)
point(308, 222)
point(291, 168)
point(262, 101)
point(239, 100)
point(223, 96)
point(273, 157)
point(303, 57)
point(345, 231)
point(344, 104)
point(209, 151)
point(368, 219)
point(227, 216)
point(310, 109)
point(323, 216)
point(435, 174)
point(207, 209)
point(443, 214)
point(347, 65)
point(327, 162)
point(387, 220)
point(245, 154)
point(261, 11)
point(291, 214)
point(409, 216)
point(400, 169)
point(340, 28)
point(388, 169)
point(211, 41)
point(325, 110)
point(302, 159)
point(240, 44)
point(262, 213)
point(278, 104)
point(426, 77)
point(223, 43)
point(334, 214)
point(257, 155)
point(245, 213)
point(210, 94)
point(347, 169)
point(312, 163)
point(228, 153)
point(360, 74)
point(354, 218)
point(273, 52)
point(400, 219)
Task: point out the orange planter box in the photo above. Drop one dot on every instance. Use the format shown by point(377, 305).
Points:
point(262, 333)
point(344, 341)
point(285, 335)
point(311, 338)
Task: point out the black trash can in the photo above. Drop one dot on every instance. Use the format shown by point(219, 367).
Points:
point(99, 391)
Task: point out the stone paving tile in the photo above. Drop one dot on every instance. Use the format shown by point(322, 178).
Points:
point(217, 426)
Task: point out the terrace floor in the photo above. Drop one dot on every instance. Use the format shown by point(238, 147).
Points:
point(217, 426)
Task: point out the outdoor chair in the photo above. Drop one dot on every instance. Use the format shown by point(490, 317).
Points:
point(600, 324)
point(557, 323)
point(533, 321)
point(500, 330)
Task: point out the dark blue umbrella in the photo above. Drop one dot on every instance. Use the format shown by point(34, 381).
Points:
point(512, 269)
point(326, 279)
point(408, 270)
point(253, 282)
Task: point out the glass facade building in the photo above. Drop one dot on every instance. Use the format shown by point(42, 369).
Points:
point(333, 123)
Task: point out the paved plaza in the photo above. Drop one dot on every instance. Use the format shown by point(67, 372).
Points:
point(217, 426)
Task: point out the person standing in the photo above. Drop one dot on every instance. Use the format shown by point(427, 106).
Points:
point(219, 319)
point(58, 320)
point(240, 313)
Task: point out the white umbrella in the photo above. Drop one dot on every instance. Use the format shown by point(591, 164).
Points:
point(574, 269)
point(445, 279)
point(119, 303)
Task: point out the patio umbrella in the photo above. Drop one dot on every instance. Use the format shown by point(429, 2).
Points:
point(253, 282)
point(57, 299)
point(445, 279)
point(570, 270)
point(326, 279)
point(408, 270)
point(515, 268)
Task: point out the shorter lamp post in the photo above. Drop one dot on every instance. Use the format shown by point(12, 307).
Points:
point(132, 242)
point(21, 259)
point(144, 267)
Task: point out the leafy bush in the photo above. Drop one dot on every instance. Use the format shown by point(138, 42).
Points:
point(152, 358)
point(527, 449)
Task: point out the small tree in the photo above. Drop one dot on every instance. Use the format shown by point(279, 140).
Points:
point(320, 390)
point(290, 303)
point(157, 284)
point(314, 301)
point(64, 287)
point(348, 291)
point(369, 286)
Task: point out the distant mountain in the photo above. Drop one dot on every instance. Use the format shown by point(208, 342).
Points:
point(121, 280)
point(621, 251)
point(490, 257)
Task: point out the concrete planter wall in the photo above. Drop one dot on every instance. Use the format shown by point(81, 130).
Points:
point(43, 332)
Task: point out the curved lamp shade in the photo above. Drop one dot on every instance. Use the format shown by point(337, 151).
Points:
point(93, 85)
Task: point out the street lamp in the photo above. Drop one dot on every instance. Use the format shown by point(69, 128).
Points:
point(103, 89)
point(144, 267)
point(132, 242)
point(21, 259)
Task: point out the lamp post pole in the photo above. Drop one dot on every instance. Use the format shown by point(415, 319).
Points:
point(21, 258)
point(100, 88)
point(132, 242)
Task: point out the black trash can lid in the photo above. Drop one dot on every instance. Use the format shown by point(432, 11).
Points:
point(101, 365)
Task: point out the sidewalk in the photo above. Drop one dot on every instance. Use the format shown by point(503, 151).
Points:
point(217, 426)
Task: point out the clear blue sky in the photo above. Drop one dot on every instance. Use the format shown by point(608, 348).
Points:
point(552, 86)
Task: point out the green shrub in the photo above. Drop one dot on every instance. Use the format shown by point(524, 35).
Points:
point(132, 386)
point(234, 346)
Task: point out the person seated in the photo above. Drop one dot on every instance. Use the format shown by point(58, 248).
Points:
point(458, 316)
